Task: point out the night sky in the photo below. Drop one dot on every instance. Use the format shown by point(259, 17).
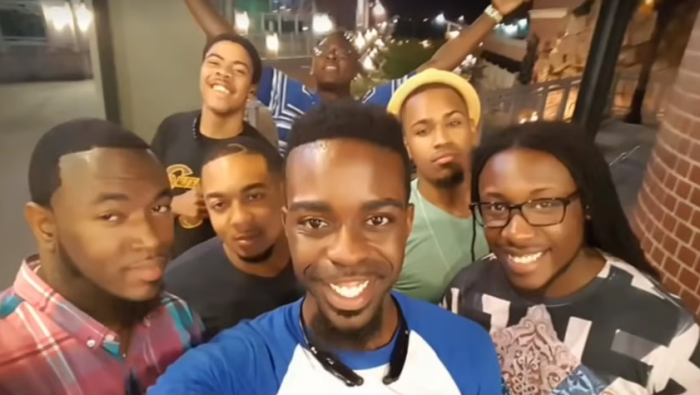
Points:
point(453, 9)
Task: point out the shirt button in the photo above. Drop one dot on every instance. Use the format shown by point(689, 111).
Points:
point(91, 343)
point(109, 338)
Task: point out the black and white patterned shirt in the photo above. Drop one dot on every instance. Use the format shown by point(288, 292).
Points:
point(621, 335)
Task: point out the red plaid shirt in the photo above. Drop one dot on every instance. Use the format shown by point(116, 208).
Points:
point(50, 347)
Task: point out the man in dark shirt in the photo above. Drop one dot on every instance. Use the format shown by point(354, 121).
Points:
point(246, 270)
point(230, 71)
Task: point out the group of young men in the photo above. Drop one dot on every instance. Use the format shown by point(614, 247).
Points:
point(321, 272)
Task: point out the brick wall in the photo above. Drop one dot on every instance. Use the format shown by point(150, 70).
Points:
point(667, 217)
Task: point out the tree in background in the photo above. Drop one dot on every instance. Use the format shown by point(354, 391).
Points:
point(528, 63)
point(405, 56)
point(666, 12)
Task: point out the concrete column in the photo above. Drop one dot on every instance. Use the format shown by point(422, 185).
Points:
point(667, 217)
point(156, 51)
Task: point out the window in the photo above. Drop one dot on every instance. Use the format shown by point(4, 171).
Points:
point(22, 23)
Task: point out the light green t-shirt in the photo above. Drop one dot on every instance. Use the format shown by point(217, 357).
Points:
point(438, 248)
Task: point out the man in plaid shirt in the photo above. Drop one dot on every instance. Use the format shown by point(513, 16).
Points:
point(87, 315)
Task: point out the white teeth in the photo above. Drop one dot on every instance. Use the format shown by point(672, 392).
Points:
point(221, 89)
point(350, 290)
point(525, 259)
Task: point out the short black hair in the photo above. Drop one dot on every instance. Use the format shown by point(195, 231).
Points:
point(243, 42)
point(247, 145)
point(608, 228)
point(349, 119)
point(71, 137)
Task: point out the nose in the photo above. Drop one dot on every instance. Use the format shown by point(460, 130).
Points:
point(239, 214)
point(332, 54)
point(224, 72)
point(440, 136)
point(518, 230)
point(147, 236)
point(348, 248)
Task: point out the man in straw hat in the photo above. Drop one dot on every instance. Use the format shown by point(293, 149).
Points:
point(440, 112)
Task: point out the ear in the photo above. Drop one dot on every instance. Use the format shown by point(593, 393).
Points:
point(284, 216)
point(253, 93)
point(42, 222)
point(410, 215)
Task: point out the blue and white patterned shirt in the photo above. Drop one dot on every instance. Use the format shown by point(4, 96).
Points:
point(288, 99)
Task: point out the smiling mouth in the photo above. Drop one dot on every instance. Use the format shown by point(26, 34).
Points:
point(350, 290)
point(221, 89)
point(525, 259)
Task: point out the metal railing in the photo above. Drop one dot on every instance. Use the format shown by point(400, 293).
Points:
point(556, 100)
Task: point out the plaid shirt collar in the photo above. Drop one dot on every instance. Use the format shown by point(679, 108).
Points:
point(34, 291)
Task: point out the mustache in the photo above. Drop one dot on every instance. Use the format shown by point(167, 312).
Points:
point(332, 272)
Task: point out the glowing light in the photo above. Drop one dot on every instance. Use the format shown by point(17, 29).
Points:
point(242, 22)
point(360, 42)
point(272, 43)
point(378, 11)
point(60, 16)
point(440, 19)
point(322, 24)
point(84, 17)
point(425, 44)
point(452, 34)
point(522, 23)
point(368, 64)
point(533, 117)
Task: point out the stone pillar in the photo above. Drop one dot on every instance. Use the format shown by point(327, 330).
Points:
point(667, 217)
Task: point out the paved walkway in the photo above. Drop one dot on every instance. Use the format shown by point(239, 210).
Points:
point(28, 110)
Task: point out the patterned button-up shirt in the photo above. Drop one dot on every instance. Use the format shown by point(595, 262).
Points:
point(50, 347)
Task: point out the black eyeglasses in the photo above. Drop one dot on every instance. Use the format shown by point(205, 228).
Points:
point(536, 212)
point(324, 51)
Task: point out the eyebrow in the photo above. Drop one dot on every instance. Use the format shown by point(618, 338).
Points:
point(221, 58)
point(123, 197)
point(444, 116)
point(497, 195)
point(372, 205)
point(247, 188)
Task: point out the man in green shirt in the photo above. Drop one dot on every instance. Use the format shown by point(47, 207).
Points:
point(440, 112)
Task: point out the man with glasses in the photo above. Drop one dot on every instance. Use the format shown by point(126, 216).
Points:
point(336, 64)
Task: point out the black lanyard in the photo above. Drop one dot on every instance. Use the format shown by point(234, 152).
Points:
point(342, 372)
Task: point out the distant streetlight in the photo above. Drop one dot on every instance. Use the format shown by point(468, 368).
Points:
point(322, 24)
point(242, 22)
point(378, 10)
point(60, 16)
point(272, 43)
point(440, 19)
point(83, 17)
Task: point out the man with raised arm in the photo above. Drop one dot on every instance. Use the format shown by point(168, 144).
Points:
point(335, 65)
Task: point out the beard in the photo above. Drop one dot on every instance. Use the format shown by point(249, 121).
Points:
point(260, 258)
point(332, 337)
point(455, 179)
point(93, 299)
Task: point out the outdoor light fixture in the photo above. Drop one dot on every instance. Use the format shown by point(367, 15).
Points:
point(83, 17)
point(242, 22)
point(440, 19)
point(322, 24)
point(60, 17)
point(272, 43)
point(378, 10)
